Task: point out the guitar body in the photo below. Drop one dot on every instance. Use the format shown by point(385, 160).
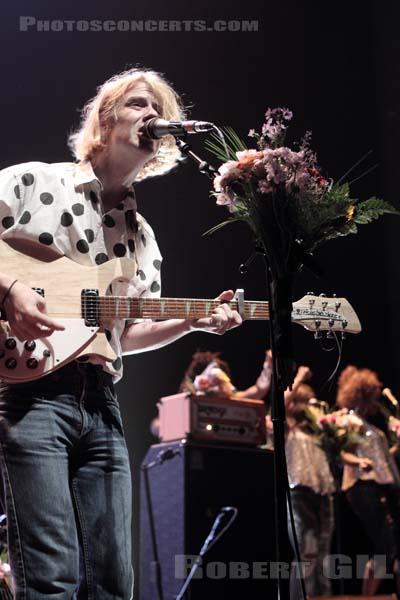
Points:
point(62, 281)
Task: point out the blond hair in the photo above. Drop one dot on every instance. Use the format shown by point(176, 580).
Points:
point(99, 116)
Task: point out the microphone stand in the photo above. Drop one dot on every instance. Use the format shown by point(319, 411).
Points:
point(204, 167)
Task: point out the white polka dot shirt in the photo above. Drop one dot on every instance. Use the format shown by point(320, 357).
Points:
point(58, 206)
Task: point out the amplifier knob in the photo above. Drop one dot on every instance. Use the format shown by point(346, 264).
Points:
point(10, 344)
point(11, 363)
point(30, 346)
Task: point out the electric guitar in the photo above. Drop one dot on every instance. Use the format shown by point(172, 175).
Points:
point(75, 295)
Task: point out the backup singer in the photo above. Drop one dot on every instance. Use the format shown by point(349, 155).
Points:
point(371, 479)
point(63, 455)
point(311, 489)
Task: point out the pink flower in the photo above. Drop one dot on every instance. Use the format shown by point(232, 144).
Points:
point(226, 198)
point(246, 158)
point(201, 382)
point(264, 186)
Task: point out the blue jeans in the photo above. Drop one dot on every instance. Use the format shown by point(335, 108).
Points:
point(67, 486)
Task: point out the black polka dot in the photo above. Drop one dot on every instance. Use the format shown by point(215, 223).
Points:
point(131, 245)
point(46, 198)
point(117, 364)
point(155, 287)
point(93, 196)
point(119, 250)
point(108, 221)
point(89, 235)
point(17, 192)
point(66, 219)
point(130, 220)
point(78, 209)
point(108, 334)
point(62, 181)
point(101, 258)
point(141, 274)
point(82, 246)
point(7, 222)
point(143, 239)
point(25, 217)
point(46, 238)
point(157, 264)
point(27, 179)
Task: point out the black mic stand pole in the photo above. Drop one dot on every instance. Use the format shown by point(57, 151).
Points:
point(281, 378)
point(204, 166)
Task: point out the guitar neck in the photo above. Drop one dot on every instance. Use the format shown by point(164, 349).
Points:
point(120, 307)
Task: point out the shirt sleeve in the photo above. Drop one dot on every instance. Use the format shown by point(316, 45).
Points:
point(12, 191)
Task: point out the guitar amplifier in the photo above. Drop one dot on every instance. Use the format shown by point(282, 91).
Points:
point(212, 418)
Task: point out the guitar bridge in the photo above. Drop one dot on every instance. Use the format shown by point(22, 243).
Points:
point(90, 307)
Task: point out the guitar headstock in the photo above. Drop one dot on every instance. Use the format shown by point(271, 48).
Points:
point(320, 313)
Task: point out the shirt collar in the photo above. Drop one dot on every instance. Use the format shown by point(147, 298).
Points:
point(84, 174)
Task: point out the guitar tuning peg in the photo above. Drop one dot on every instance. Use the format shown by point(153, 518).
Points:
point(310, 293)
point(334, 296)
point(318, 335)
point(322, 295)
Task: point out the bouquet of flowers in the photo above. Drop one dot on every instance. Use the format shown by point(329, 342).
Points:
point(337, 431)
point(213, 380)
point(282, 194)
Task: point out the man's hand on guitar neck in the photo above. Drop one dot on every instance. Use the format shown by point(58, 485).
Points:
point(222, 319)
point(26, 312)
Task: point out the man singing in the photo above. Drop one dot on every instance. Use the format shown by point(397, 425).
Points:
point(63, 456)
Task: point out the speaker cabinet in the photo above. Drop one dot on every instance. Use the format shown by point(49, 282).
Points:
point(185, 494)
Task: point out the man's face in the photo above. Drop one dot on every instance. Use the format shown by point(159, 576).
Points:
point(137, 106)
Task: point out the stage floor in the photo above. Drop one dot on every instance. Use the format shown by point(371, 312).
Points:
point(379, 597)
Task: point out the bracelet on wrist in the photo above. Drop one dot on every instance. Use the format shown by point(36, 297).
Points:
point(10, 287)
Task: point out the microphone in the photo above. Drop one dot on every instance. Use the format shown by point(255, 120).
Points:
point(158, 128)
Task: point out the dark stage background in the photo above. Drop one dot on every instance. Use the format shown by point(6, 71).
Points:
point(335, 64)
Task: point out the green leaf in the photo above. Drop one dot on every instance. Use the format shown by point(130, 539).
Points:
point(233, 142)
point(223, 224)
point(371, 209)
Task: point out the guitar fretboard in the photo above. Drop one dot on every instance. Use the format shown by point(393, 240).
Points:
point(120, 307)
